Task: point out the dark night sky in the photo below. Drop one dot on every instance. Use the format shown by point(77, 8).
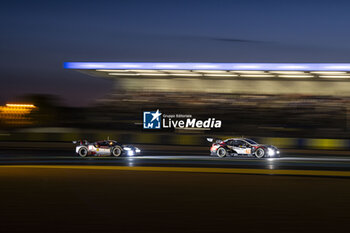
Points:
point(38, 36)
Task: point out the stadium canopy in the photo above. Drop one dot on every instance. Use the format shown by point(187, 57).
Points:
point(215, 70)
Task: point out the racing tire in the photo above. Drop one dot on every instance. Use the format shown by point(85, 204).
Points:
point(260, 153)
point(83, 152)
point(116, 151)
point(221, 152)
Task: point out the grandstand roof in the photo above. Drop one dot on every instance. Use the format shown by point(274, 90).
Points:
point(215, 70)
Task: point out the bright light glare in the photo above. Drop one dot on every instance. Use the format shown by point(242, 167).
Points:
point(328, 72)
point(270, 152)
point(130, 153)
point(257, 75)
point(221, 75)
point(335, 76)
point(205, 66)
point(210, 71)
point(287, 72)
point(21, 105)
point(175, 71)
point(295, 76)
point(154, 74)
point(188, 74)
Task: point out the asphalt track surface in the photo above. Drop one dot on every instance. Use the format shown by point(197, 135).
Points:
point(39, 199)
point(186, 157)
point(173, 190)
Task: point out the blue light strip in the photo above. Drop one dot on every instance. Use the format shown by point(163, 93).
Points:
point(209, 66)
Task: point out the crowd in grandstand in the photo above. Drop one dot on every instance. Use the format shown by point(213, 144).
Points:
point(274, 115)
point(241, 114)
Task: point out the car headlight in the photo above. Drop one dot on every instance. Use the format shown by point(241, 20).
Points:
point(130, 153)
point(127, 148)
point(137, 150)
point(271, 152)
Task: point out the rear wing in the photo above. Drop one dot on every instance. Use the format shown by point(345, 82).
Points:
point(214, 140)
point(81, 142)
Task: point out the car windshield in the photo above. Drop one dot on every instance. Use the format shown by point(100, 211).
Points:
point(251, 141)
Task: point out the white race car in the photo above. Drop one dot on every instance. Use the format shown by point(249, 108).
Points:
point(105, 148)
point(242, 146)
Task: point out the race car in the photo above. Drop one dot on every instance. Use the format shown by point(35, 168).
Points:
point(105, 148)
point(242, 146)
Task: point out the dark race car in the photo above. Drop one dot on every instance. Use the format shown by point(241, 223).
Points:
point(105, 148)
point(242, 146)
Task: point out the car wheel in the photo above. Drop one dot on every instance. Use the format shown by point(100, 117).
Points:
point(117, 151)
point(260, 153)
point(83, 152)
point(221, 152)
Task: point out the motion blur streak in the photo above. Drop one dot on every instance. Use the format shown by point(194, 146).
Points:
point(193, 169)
point(21, 105)
point(16, 114)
